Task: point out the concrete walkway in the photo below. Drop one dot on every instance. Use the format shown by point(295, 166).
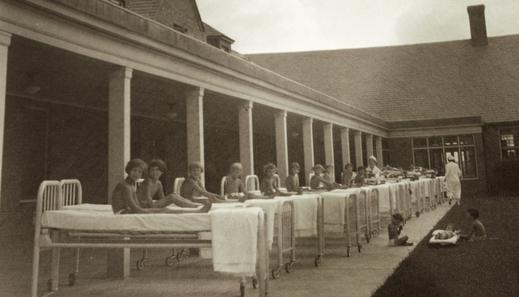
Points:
point(357, 276)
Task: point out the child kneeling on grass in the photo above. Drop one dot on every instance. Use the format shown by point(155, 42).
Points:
point(394, 229)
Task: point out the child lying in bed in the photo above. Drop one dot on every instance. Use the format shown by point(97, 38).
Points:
point(151, 193)
point(394, 229)
point(124, 197)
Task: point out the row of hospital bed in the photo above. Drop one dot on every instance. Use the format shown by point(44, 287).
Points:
point(62, 220)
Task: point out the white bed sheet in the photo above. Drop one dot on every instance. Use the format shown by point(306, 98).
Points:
point(102, 220)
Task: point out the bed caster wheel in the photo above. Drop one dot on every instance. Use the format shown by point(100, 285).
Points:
point(242, 290)
point(348, 252)
point(49, 285)
point(140, 264)
point(171, 260)
point(289, 266)
point(254, 283)
point(368, 238)
point(72, 279)
point(276, 273)
point(359, 248)
point(317, 261)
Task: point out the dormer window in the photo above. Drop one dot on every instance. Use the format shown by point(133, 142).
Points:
point(180, 28)
point(121, 3)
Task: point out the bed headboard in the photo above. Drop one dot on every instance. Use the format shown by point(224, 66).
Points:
point(71, 191)
point(49, 196)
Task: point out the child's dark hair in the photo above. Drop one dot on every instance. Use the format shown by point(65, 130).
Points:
point(269, 166)
point(135, 163)
point(159, 164)
point(474, 213)
point(360, 168)
point(398, 217)
point(295, 165)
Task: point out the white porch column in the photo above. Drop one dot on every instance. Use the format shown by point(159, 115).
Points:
point(246, 138)
point(195, 125)
point(281, 144)
point(328, 146)
point(358, 149)
point(379, 151)
point(5, 41)
point(119, 123)
point(345, 146)
point(308, 146)
point(369, 146)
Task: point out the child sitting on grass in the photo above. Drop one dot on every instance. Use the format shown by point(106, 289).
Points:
point(477, 229)
point(394, 229)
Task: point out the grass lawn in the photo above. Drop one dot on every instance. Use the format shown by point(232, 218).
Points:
point(473, 269)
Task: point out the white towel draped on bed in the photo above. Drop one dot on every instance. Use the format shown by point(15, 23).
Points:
point(305, 212)
point(270, 207)
point(234, 239)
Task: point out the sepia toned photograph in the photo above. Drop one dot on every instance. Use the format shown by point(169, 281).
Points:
point(280, 148)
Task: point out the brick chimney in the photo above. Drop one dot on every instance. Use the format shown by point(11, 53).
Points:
point(478, 27)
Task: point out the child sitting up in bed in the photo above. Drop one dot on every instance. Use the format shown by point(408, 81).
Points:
point(151, 193)
point(330, 183)
point(124, 196)
point(318, 181)
point(292, 181)
point(477, 229)
point(359, 179)
point(394, 229)
point(268, 185)
point(193, 189)
point(233, 186)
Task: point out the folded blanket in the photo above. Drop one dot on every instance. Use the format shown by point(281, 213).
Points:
point(334, 205)
point(234, 239)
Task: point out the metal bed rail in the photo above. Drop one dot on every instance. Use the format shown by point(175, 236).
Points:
point(50, 197)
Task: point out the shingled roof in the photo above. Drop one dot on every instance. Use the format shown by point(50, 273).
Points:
point(414, 82)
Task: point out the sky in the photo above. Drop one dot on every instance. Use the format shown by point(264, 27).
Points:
point(260, 26)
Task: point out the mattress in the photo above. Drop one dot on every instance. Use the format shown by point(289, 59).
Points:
point(451, 241)
point(103, 220)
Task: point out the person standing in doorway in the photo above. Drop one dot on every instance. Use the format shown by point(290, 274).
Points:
point(453, 180)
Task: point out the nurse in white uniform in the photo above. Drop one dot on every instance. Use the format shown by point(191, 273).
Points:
point(372, 168)
point(452, 180)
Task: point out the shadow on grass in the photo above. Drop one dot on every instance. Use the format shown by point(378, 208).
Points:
point(476, 269)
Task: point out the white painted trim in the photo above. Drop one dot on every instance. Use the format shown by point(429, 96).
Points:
point(435, 131)
point(163, 61)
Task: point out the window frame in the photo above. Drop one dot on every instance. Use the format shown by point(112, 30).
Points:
point(501, 145)
point(444, 148)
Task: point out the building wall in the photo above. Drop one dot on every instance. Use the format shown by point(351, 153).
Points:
point(501, 175)
point(401, 155)
point(171, 12)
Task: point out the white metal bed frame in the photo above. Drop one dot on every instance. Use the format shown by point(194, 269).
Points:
point(50, 197)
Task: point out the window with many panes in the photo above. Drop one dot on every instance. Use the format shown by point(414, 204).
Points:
point(432, 152)
point(510, 143)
